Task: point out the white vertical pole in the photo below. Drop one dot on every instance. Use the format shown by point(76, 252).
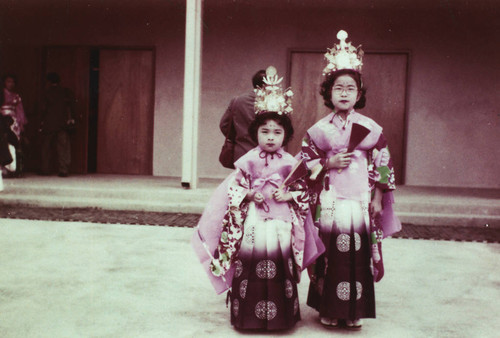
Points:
point(192, 83)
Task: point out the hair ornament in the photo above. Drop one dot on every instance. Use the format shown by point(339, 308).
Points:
point(271, 97)
point(343, 56)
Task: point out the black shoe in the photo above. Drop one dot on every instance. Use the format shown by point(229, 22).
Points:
point(62, 174)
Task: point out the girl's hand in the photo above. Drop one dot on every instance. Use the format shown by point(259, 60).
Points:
point(376, 204)
point(258, 198)
point(340, 160)
point(281, 196)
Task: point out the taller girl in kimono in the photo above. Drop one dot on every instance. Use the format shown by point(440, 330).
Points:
point(350, 195)
point(256, 234)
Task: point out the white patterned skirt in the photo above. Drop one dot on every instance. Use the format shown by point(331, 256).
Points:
point(264, 289)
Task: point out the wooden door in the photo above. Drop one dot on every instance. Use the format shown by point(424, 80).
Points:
point(125, 117)
point(385, 77)
point(72, 64)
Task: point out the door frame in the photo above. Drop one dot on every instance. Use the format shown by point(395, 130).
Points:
point(407, 52)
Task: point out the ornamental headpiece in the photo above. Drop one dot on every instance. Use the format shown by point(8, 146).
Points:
point(343, 56)
point(270, 97)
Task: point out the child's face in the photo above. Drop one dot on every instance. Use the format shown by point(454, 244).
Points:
point(345, 93)
point(270, 136)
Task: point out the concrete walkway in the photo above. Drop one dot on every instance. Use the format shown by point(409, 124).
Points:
point(61, 279)
point(414, 205)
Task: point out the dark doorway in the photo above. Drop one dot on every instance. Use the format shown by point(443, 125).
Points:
point(72, 64)
point(114, 89)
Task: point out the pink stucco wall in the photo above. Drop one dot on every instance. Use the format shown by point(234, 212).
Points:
point(452, 118)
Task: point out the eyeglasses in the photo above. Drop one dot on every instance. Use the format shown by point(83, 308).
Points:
point(348, 90)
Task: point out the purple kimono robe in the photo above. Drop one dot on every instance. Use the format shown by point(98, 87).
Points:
point(226, 208)
point(371, 166)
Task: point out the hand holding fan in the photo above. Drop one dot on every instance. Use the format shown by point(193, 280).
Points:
point(299, 171)
point(358, 133)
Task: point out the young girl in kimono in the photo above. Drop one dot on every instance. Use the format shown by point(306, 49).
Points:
point(349, 193)
point(260, 250)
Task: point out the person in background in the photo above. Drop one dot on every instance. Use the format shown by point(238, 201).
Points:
point(57, 111)
point(12, 107)
point(241, 111)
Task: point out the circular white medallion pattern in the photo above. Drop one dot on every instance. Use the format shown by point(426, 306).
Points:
point(236, 307)
point(266, 310)
point(343, 242)
point(344, 290)
point(243, 288)
point(359, 290)
point(238, 269)
point(295, 306)
point(266, 269)
point(288, 289)
point(357, 241)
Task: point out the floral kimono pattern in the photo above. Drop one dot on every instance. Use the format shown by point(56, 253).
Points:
point(342, 279)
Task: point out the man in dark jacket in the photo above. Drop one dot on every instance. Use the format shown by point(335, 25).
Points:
point(58, 108)
point(241, 111)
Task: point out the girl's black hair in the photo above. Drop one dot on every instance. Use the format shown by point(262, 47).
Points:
point(326, 87)
point(261, 118)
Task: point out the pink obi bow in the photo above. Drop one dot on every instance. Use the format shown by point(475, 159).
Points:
point(274, 179)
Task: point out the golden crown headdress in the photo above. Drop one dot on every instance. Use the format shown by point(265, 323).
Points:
point(343, 56)
point(271, 97)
